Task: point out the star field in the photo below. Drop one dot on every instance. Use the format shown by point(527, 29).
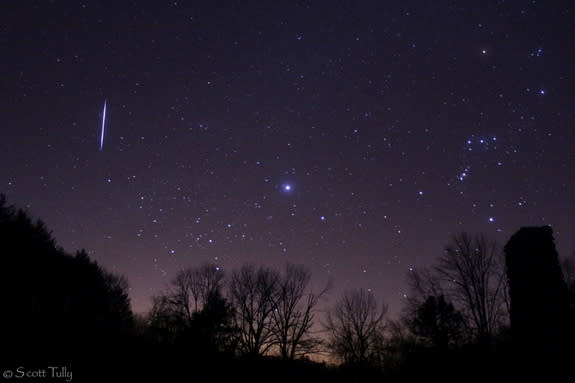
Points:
point(352, 137)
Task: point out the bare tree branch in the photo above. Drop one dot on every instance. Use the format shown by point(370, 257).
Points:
point(253, 294)
point(294, 311)
point(355, 327)
point(472, 275)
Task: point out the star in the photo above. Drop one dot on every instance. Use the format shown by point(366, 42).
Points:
point(322, 150)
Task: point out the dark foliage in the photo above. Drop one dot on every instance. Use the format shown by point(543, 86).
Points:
point(66, 310)
point(438, 322)
point(55, 306)
point(210, 331)
point(193, 314)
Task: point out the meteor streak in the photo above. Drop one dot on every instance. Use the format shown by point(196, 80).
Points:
point(103, 127)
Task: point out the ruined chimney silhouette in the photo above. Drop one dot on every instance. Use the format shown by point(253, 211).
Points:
point(538, 292)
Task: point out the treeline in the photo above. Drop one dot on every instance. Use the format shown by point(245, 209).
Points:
point(56, 307)
point(253, 312)
point(480, 312)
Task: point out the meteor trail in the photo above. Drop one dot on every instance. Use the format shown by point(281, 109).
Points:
point(103, 127)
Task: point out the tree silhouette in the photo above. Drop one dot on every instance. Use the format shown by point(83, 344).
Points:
point(253, 296)
point(192, 288)
point(437, 321)
point(422, 284)
point(62, 306)
point(472, 276)
point(98, 295)
point(165, 323)
point(212, 329)
point(193, 309)
point(293, 313)
point(400, 344)
point(53, 299)
point(355, 328)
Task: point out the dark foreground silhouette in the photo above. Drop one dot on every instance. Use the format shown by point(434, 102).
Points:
point(65, 314)
point(541, 319)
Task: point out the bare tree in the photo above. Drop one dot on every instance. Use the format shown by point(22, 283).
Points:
point(471, 272)
point(355, 327)
point(165, 324)
point(193, 287)
point(189, 292)
point(293, 313)
point(252, 293)
point(422, 283)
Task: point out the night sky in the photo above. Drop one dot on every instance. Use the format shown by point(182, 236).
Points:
point(352, 137)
